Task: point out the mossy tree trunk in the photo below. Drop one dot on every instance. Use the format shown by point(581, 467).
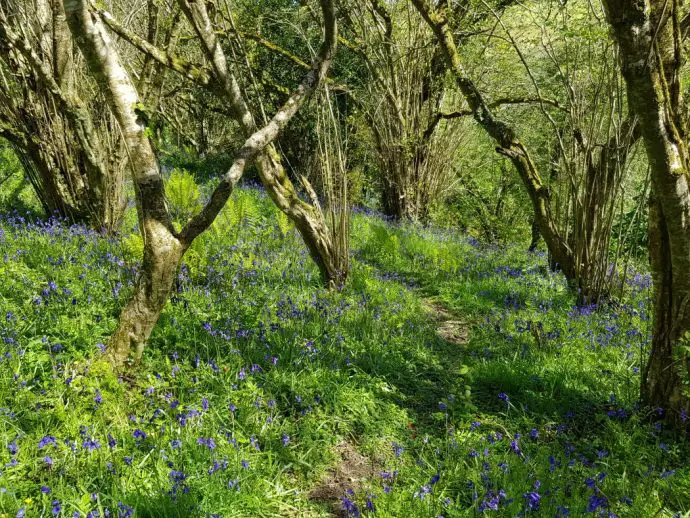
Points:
point(70, 160)
point(220, 80)
point(508, 143)
point(649, 36)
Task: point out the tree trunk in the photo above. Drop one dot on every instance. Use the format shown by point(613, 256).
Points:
point(508, 144)
point(308, 219)
point(536, 237)
point(162, 250)
point(397, 201)
point(662, 385)
point(162, 256)
point(163, 247)
point(64, 155)
point(652, 74)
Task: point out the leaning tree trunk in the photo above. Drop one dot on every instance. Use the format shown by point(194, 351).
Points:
point(308, 219)
point(162, 256)
point(163, 247)
point(508, 143)
point(650, 40)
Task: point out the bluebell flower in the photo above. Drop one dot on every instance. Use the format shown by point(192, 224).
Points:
point(56, 507)
point(91, 444)
point(423, 492)
point(515, 447)
point(597, 501)
point(397, 449)
point(46, 441)
point(209, 443)
point(350, 508)
point(124, 511)
point(532, 500)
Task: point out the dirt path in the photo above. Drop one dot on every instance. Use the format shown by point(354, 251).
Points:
point(448, 326)
point(353, 471)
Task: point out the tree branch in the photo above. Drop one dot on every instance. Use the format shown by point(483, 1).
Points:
point(261, 138)
point(195, 73)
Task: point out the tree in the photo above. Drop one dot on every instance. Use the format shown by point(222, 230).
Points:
point(220, 79)
point(400, 96)
point(164, 247)
point(70, 149)
point(650, 36)
point(579, 243)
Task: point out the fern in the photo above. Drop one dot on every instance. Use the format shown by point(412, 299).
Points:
point(284, 223)
point(183, 195)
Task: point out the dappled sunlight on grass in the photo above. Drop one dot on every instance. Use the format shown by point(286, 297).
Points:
point(255, 375)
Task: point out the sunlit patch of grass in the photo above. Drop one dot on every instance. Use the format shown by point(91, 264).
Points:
point(255, 375)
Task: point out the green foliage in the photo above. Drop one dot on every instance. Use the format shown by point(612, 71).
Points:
point(253, 362)
point(182, 194)
point(15, 191)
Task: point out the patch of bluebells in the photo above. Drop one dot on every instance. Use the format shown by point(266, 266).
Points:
point(181, 427)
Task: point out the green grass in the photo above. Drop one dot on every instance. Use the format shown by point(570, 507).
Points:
point(253, 361)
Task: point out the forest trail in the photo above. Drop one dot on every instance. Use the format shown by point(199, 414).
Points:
point(353, 471)
point(448, 327)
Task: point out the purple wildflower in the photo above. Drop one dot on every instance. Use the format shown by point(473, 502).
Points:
point(46, 441)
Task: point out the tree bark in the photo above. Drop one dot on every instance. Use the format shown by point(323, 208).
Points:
point(162, 250)
point(307, 218)
point(49, 126)
point(649, 36)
